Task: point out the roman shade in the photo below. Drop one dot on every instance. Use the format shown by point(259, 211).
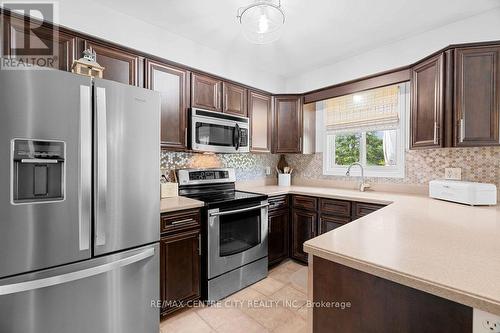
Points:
point(369, 110)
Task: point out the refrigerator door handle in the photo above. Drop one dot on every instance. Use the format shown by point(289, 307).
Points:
point(85, 176)
point(102, 166)
point(77, 275)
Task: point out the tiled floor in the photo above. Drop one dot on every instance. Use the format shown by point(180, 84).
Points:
point(275, 304)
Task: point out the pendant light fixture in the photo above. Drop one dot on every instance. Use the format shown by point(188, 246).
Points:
point(262, 21)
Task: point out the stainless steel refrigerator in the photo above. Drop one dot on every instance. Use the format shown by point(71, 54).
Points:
point(79, 204)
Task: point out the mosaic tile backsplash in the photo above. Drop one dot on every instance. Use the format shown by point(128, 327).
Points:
point(478, 164)
point(247, 166)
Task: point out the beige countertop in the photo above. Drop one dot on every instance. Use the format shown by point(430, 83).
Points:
point(446, 249)
point(178, 203)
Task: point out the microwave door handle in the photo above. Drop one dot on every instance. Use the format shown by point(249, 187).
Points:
point(237, 136)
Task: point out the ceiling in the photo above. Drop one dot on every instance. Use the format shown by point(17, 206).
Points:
point(316, 32)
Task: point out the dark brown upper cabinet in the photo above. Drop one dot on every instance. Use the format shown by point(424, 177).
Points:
point(15, 36)
point(427, 103)
point(234, 99)
point(206, 92)
point(261, 122)
point(288, 128)
point(173, 85)
point(119, 65)
point(477, 96)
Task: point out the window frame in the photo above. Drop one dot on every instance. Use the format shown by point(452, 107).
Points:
point(397, 171)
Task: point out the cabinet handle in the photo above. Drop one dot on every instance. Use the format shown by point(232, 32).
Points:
point(199, 245)
point(436, 141)
point(181, 221)
point(462, 129)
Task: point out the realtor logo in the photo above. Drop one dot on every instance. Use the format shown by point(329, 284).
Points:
point(29, 44)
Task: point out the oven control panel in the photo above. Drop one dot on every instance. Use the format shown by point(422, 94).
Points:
point(206, 176)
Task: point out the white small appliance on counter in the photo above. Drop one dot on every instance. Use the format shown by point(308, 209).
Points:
point(469, 193)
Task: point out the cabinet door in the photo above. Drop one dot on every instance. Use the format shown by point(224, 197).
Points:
point(303, 229)
point(328, 223)
point(235, 99)
point(477, 96)
point(278, 236)
point(361, 209)
point(260, 114)
point(206, 92)
point(119, 65)
point(172, 83)
point(427, 86)
point(179, 268)
point(287, 124)
point(15, 37)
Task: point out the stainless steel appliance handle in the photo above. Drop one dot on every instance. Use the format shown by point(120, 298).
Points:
point(73, 276)
point(39, 161)
point(236, 211)
point(85, 172)
point(102, 166)
point(236, 139)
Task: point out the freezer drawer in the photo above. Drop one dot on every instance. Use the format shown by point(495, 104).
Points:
point(105, 295)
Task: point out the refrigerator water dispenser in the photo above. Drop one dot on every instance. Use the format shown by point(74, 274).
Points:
point(37, 171)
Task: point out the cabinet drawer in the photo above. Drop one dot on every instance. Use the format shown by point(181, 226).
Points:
point(181, 220)
point(335, 207)
point(328, 222)
point(362, 209)
point(278, 202)
point(307, 203)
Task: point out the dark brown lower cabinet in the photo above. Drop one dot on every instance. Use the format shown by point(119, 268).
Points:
point(361, 209)
point(379, 305)
point(179, 270)
point(303, 228)
point(278, 236)
point(328, 223)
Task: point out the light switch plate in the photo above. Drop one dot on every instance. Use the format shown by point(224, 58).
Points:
point(453, 173)
point(268, 171)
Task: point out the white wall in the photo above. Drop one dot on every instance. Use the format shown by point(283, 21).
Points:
point(97, 20)
point(483, 27)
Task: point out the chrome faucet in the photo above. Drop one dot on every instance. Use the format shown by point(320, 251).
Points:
point(362, 185)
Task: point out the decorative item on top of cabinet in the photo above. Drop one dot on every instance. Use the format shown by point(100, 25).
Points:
point(206, 92)
point(15, 34)
point(261, 122)
point(121, 66)
point(234, 99)
point(427, 106)
point(179, 269)
point(173, 85)
point(87, 65)
point(288, 124)
point(477, 96)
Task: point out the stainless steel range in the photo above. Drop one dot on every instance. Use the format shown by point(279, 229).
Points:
point(235, 230)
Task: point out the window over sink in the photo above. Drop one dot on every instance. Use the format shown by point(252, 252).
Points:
point(369, 128)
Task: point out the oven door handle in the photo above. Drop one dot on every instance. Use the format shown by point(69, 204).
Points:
point(236, 211)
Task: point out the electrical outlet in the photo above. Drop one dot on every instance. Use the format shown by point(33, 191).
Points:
point(268, 171)
point(484, 322)
point(453, 173)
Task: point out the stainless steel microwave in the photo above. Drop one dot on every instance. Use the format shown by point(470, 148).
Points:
point(218, 132)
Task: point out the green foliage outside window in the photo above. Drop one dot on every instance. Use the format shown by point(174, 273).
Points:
point(374, 149)
point(347, 148)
